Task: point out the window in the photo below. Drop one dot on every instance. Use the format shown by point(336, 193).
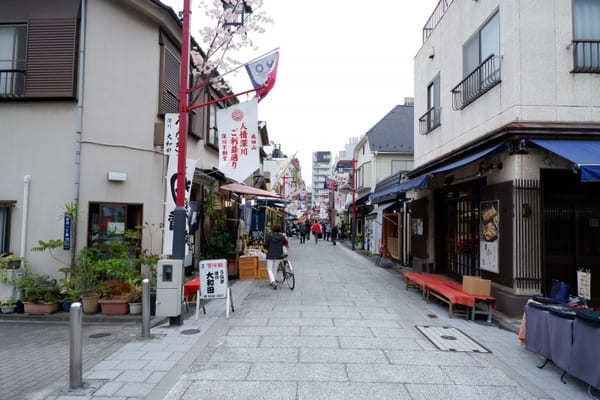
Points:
point(213, 132)
point(586, 35)
point(169, 76)
point(431, 119)
point(112, 220)
point(4, 228)
point(401, 166)
point(13, 40)
point(481, 64)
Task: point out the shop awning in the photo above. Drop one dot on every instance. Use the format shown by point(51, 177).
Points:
point(584, 153)
point(391, 192)
point(469, 159)
point(248, 190)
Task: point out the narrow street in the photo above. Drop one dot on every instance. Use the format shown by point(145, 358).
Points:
point(348, 332)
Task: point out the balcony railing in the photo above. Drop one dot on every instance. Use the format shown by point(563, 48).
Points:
point(586, 56)
point(12, 83)
point(435, 17)
point(430, 120)
point(477, 83)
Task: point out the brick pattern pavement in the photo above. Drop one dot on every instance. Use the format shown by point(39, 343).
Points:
point(347, 332)
point(34, 356)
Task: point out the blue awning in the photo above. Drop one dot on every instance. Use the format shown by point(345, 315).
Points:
point(469, 159)
point(391, 192)
point(584, 153)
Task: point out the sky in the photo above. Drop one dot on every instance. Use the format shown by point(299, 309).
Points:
point(344, 64)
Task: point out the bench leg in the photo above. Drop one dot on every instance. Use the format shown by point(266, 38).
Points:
point(489, 315)
point(450, 310)
point(473, 313)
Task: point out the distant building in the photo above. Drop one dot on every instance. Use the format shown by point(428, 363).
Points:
point(321, 164)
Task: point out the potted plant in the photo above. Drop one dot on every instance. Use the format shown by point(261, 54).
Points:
point(10, 274)
point(70, 293)
point(135, 295)
point(40, 294)
point(7, 306)
point(85, 280)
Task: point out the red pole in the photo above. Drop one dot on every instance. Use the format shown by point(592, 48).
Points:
point(183, 104)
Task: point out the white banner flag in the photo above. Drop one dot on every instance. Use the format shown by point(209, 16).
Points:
point(170, 201)
point(171, 134)
point(239, 144)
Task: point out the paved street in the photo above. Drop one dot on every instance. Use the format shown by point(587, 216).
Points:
point(35, 355)
point(347, 332)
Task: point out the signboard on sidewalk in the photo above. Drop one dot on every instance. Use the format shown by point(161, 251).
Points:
point(584, 284)
point(171, 134)
point(489, 228)
point(239, 142)
point(213, 279)
point(170, 202)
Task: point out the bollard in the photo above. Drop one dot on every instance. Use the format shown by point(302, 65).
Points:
point(75, 344)
point(146, 308)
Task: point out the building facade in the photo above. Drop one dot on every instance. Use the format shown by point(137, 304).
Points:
point(506, 107)
point(321, 165)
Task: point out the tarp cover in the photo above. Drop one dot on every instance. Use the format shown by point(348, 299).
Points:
point(584, 153)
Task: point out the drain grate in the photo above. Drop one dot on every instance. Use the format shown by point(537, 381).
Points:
point(190, 331)
point(451, 339)
point(100, 335)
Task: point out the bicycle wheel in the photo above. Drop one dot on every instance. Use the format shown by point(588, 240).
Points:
point(289, 275)
point(279, 275)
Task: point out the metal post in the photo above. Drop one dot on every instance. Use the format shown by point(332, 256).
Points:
point(146, 308)
point(353, 226)
point(75, 347)
point(180, 214)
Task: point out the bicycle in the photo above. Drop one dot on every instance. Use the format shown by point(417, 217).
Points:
point(285, 273)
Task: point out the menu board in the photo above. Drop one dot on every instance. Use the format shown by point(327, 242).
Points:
point(489, 234)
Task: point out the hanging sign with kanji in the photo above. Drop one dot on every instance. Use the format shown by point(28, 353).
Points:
point(239, 144)
point(213, 279)
point(171, 136)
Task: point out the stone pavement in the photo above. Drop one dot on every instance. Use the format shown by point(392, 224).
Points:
point(34, 356)
point(347, 332)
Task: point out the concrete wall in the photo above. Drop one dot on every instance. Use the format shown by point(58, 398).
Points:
point(536, 60)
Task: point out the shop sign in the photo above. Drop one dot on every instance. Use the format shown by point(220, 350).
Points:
point(489, 228)
point(584, 284)
point(238, 140)
point(67, 233)
point(170, 202)
point(171, 134)
point(213, 279)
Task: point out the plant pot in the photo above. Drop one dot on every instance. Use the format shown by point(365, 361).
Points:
point(7, 309)
point(90, 303)
point(41, 308)
point(135, 308)
point(66, 305)
point(116, 305)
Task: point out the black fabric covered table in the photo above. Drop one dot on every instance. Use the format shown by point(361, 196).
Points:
point(537, 338)
point(560, 324)
point(585, 355)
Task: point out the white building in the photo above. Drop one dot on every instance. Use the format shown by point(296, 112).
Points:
point(321, 165)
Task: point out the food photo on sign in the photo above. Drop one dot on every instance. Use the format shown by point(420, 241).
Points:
point(489, 225)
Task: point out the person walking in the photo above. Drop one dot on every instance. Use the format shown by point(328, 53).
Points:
point(328, 232)
point(307, 226)
point(334, 233)
point(316, 231)
point(303, 230)
point(274, 244)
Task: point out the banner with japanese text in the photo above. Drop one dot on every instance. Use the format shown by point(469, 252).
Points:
point(239, 144)
point(170, 202)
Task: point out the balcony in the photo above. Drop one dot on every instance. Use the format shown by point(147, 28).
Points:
point(430, 120)
point(477, 83)
point(586, 56)
point(12, 83)
point(435, 18)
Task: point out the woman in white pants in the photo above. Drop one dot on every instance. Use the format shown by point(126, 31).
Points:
point(274, 244)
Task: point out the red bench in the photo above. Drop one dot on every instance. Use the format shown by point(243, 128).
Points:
point(450, 293)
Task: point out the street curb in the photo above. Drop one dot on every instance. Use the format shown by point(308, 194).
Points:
point(63, 318)
point(218, 328)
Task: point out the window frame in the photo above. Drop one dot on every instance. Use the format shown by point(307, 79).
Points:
point(477, 34)
point(5, 230)
point(17, 86)
point(98, 243)
point(579, 41)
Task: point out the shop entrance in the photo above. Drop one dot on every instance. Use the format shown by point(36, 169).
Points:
point(571, 230)
point(457, 229)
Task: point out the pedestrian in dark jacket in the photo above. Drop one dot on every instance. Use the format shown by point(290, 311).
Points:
point(303, 230)
point(334, 233)
point(307, 226)
point(274, 244)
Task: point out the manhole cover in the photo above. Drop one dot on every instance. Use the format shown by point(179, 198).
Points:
point(190, 331)
point(451, 339)
point(432, 315)
point(99, 335)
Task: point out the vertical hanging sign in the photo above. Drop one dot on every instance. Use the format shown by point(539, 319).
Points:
point(489, 228)
point(171, 134)
point(238, 140)
point(67, 233)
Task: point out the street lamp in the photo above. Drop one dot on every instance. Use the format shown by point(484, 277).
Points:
point(240, 11)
